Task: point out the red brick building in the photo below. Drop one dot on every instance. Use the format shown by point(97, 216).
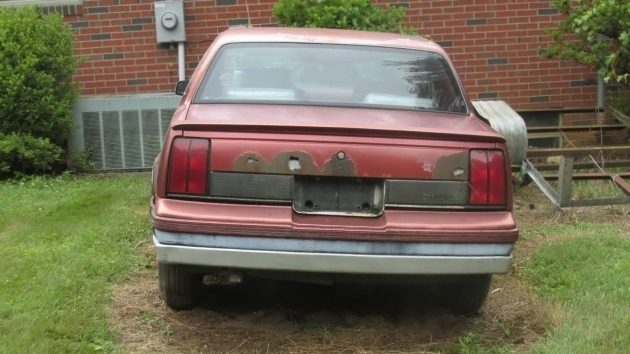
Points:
point(127, 78)
point(494, 44)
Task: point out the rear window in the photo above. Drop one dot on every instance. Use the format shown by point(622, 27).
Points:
point(331, 75)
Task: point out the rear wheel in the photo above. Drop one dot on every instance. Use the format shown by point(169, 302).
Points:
point(179, 286)
point(466, 297)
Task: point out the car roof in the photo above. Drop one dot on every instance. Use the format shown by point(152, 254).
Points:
point(326, 36)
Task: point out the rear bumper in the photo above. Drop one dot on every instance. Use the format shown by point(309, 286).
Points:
point(393, 258)
point(446, 226)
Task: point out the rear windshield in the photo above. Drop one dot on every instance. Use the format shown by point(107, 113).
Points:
point(331, 75)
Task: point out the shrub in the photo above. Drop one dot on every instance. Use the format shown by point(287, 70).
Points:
point(36, 89)
point(80, 161)
point(344, 14)
point(23, 154)
point(619, 100)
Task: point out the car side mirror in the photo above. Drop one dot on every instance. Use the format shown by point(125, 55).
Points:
point(180, 88)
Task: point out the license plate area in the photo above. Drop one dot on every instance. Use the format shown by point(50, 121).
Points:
point(338, 196)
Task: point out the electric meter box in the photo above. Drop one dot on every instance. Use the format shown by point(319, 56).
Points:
point(169, 21)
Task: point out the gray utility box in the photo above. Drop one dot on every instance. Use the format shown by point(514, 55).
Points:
point(169, 21)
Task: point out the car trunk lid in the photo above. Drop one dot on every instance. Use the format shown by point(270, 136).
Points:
point(337, 120)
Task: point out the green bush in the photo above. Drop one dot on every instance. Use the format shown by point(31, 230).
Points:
point(80, 161)
point(344, 14)
point(595, 33)
point(36, 88)
point(22, 154)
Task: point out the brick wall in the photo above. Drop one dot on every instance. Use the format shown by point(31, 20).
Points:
point(494, 44)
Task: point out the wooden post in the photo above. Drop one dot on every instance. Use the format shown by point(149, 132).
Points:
point(565, 177)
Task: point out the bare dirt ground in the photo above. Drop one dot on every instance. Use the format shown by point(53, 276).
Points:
point(282, 317)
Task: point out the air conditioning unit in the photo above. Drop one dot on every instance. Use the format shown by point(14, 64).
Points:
point(122, 132)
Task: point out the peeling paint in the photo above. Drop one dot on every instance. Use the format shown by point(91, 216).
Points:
point(340, 159)
point(446, 166)
point(250, 162)
point(295, 163)
point(338, 167)
point(427, 167)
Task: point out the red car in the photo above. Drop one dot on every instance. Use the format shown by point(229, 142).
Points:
point(313, 154)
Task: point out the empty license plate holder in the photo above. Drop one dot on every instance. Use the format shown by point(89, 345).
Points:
point(338, 196)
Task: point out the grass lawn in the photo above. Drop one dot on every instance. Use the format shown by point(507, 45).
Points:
point(63, 243)
point(66, 242)
point(579, 265)
point(588, 275)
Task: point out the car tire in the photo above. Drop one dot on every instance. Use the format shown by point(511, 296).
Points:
point(179, 286)
point(465, 297)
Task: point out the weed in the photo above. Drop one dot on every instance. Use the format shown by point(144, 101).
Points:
point(156, 322)
point(471, 343)
point(81, 161)
point(595, 189)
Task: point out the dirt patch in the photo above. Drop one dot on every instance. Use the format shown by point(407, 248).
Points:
point(273, 316)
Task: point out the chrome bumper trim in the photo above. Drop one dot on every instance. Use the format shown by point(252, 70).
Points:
point(330, 262)
point(284, 244)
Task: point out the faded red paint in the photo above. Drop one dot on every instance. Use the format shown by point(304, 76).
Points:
point(371, 121)
point(281, 221)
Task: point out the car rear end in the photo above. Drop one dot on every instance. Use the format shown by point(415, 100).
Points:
point(289, 169)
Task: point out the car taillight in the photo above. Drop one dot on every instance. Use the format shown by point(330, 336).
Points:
point(487, 184)
point(188, 166)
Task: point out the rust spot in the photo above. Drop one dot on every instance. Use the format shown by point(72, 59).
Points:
point(250, 162)
point(287, 162)
point(337, 167)
point(294, 163)
point(446, 166)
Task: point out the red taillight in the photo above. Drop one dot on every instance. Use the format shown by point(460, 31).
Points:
point(478, 190)
point(188, 167)
point(487, 178)
point(496, 178)
point(198, 166)
point(178, 166)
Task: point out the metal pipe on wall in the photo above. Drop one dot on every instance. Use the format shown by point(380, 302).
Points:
point(181, 61)
point(601, 91)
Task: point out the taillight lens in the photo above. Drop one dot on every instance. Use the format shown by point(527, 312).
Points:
point(487, 184)
point(188, 166)
point(478, 192)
